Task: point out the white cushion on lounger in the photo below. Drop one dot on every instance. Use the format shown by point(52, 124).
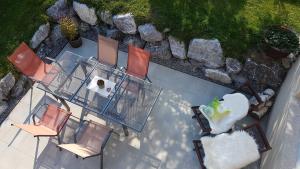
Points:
point(237, 104)
point(229, 151)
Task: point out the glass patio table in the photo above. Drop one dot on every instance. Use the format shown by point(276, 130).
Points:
point(125, 99)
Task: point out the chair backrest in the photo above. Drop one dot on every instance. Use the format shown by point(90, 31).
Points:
point(54, 117)
point(107, 50)
point(94, 136)
point(25, 60)
point(138, 62)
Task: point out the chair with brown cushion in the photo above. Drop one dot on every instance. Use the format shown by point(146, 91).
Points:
point(89, 140)
point(108, 51)
point(138, 62)
point(50, 124)
point(253, 130)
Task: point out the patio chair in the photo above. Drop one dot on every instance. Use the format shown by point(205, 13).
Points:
point(50, 124)
point(253, 130)
point(108, 51)
point(203, 122)
point(90, 139)
point(28, 63)
point(31, 65)
point(138, 62)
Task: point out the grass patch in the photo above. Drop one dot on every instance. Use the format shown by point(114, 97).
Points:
point(238, 24)
point(19, 20)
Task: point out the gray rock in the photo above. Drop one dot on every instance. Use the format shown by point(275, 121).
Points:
point(233, 66)
point(269, 92)
point(263, 75)
point(218, 75)
point(106, 17)
point(159, 49)
point(292, 57)
point(125, 23)
point(265, 96)
point(134, 40)
point(40, 35)
point(84, 27)
point(207, 51)
point(58, 10)
point(149, 33)
point(19, 87)
point(3, 106)
point(286, 63)
point(7, 83)
point(177, 48)
point(85, 13)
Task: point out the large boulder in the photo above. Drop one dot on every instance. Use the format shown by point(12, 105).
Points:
point(264, 74)
point(7, 83)
point(207, 51)
point(106, 17)
point(58, 10)
point(233, 66)
point(149, 33)
point(19, 87)
point(218, 75)
point(85, 13)
point(125, 23)
point(159, 49)
point(177, 48)
point(40, 35)
point(134, 40)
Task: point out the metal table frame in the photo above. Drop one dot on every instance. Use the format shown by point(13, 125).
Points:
point(102, 113)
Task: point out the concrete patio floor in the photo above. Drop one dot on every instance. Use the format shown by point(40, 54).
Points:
point(165, 143)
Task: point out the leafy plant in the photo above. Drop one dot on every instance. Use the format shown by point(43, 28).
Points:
point(69, 28)
point(282, 38)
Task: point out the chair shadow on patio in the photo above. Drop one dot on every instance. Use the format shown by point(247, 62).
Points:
point(117, 154)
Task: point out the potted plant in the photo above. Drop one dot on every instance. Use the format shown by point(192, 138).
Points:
point(280, 41)
point(70, 29)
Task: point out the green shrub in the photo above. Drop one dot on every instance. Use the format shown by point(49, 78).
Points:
point(69, 28)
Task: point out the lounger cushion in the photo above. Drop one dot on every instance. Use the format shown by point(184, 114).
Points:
point(236, 104)
point(229, 151)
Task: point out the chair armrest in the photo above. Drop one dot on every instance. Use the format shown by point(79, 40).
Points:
point(198, 149)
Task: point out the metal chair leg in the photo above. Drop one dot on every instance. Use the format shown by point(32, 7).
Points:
point(59, 142)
